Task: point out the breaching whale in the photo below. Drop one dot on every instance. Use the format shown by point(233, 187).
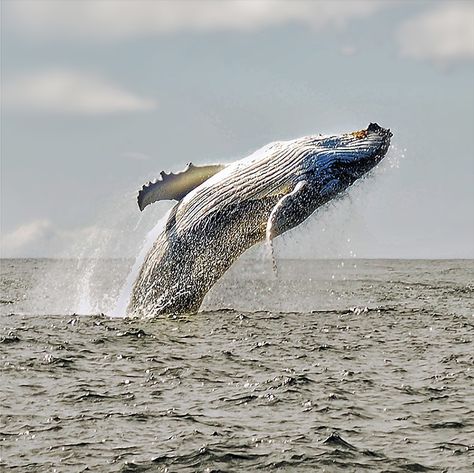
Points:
point(224, 209)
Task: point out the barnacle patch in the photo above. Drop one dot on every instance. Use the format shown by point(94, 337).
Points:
point(359, 134)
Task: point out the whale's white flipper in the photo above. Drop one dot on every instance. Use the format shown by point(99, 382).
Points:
point(284, 215)
point(170, 186)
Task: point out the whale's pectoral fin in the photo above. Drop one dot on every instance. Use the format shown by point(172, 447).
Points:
point(170, 186)
point(290, 210)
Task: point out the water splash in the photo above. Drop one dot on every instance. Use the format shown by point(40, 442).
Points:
point(395, 156)
point(271, 250)
point(123, 299)
point(85, 305)
point(79, 279)
point(270, 246)
point(73, 287)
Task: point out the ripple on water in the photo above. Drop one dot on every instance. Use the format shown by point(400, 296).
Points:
point(384, 386)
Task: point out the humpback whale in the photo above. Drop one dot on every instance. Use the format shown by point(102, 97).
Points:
point(224, 209)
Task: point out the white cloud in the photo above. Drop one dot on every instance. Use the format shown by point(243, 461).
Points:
point(26, 237)
point(121, 19)
point(71, 92)
point(41, 238)
point(443, 34)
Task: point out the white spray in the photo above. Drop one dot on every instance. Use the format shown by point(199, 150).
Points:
point(126, 291)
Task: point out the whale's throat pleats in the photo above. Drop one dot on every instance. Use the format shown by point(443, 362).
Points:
point(171, 186)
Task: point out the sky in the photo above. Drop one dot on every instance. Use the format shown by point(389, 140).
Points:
point(98, 96)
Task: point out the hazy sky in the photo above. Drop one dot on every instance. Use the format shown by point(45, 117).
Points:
point(99, 96)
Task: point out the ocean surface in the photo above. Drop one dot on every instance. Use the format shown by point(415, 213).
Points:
point(328, 365)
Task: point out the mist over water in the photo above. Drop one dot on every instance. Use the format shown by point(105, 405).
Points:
point(77, 280)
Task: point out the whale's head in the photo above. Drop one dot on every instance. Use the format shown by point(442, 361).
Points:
point(339, 160)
